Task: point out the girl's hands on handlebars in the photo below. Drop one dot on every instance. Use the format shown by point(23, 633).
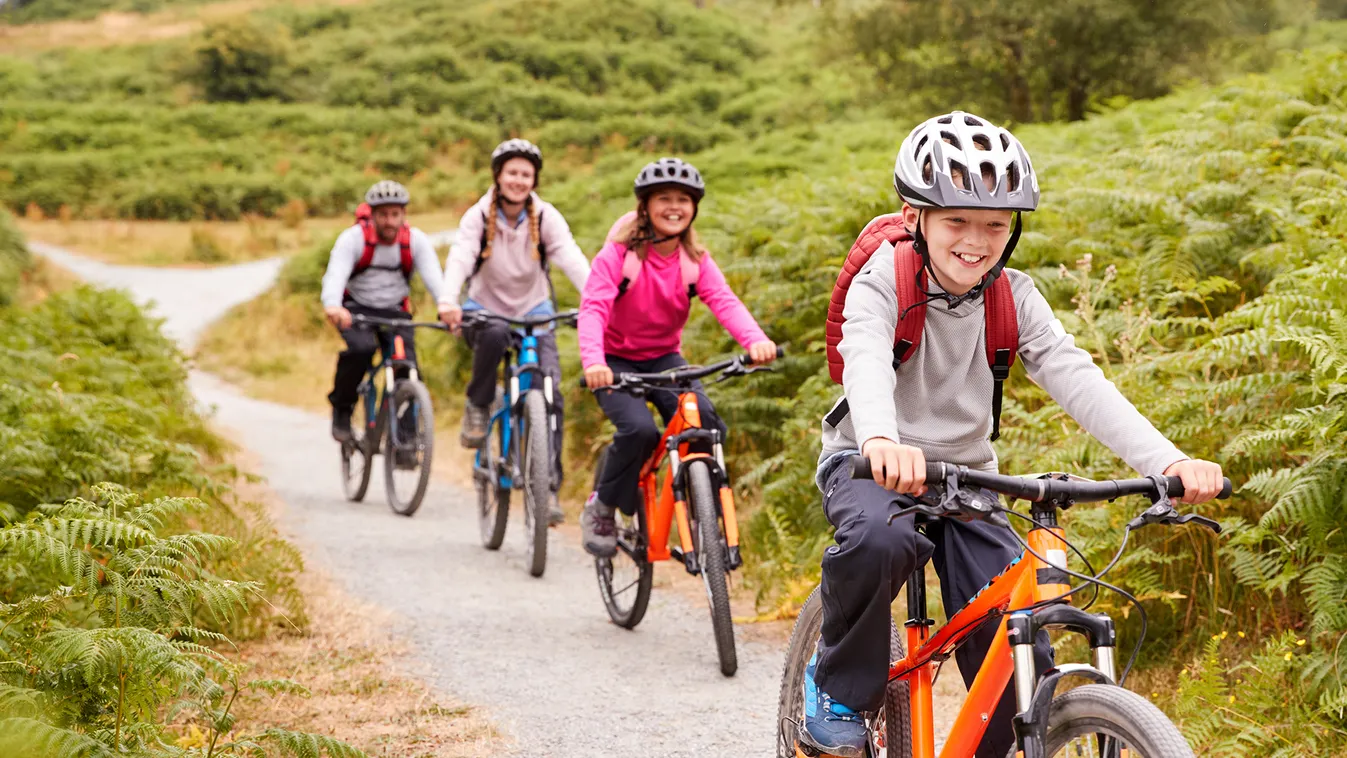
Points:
point(452, 316)
point(762, 352)
point(1202, 480)
point(901, 468)
point(599, 375)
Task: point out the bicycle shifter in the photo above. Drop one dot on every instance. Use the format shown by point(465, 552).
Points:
point(959, 503)
point(1162, 511)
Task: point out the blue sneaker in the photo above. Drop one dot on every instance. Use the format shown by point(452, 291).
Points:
point(830, 726)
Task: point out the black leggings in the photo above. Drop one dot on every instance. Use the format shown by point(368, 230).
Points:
point(637, 435)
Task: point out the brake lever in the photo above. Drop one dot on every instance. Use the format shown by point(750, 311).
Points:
point(1162, 511)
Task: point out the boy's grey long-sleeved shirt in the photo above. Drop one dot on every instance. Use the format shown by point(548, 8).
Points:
point(382, 285)
point(940, 400)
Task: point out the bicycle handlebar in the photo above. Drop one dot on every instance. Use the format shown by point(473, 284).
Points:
point(481, 314)
point(375, 321)
point(679, 376)
point(1041, 490)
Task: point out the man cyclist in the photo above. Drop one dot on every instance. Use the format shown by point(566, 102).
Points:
point(369, 272)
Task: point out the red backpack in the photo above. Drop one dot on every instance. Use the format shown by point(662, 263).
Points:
point(364, 217)
point(1002, 333)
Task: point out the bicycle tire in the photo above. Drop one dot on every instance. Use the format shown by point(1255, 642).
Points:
point(709, 544)
point(1121, 714)
point(355, 456)
point(631, 530)
point(420, 444)
point(894, 716)
point(493, 502)
point(537, 473)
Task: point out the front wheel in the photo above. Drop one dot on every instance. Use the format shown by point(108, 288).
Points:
point(710, 547)
point(537, 473)
point(1105, 720)
point(891, 727)
point(410, 445)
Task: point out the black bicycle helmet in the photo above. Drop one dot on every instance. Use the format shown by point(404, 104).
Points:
point(516, 148)
point(670, 172)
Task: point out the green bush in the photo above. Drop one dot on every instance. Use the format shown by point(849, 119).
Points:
point(14, 258)
point(238, 61)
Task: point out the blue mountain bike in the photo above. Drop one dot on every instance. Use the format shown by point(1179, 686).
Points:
point(517, 454)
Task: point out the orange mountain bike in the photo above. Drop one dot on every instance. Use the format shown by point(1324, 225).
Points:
point(1033, 593)
point(694, 492)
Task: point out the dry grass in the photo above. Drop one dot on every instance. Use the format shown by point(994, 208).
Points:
point(199, 243)
point(270, 348)
point(365, 688)
point(112, 28)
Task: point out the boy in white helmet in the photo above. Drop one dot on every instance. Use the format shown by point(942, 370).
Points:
point(963, 183)
point(369, 272)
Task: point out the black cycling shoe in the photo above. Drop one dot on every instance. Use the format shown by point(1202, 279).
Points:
point(473, 434)
point(341, 424)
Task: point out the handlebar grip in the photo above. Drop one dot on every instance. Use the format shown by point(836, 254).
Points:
point(780, 351)
point(860, 469)
point(1175, 487)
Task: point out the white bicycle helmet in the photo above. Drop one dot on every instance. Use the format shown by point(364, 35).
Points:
point(387, 192)
point(972, 147)
point(670, 172)
point(516, 148)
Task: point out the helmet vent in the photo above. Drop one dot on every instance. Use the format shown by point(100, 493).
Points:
point(1005, 141)
point(1013, 177)
point(945, 120)
point(951, 139)
point(959, 173)
point(927, 171)
point(989, 175)
point(971, 120)
point(981, 142)
point(921, 143)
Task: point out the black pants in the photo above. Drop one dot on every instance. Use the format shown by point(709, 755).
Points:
point(489, 341)
point(863, 574)
point(637, 435)
point(354, 361)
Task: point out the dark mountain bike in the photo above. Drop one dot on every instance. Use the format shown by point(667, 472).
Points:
point(518, 451)
point(393, 417)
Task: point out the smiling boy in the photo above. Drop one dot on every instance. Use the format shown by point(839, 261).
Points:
point(963, 183)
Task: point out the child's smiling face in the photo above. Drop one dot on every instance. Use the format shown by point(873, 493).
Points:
point(964, 244)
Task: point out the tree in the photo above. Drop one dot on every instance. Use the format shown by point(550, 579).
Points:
point(237, 60)
point(1029, 60)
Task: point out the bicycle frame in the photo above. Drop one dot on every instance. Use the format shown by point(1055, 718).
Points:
point(522, 376)
point(376, 401)
point(664, 503)
point(1026, 582)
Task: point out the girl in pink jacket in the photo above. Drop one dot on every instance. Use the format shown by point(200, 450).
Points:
point(632, 313)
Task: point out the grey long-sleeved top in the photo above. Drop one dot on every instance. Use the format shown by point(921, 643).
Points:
point(382, 284)
point(940, 400)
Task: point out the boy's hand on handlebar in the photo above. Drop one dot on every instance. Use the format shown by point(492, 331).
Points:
point(598, 375)
point(1202, 480)
point(452, 316)
point(901, 468)
point(338, 316)
point(762, 352)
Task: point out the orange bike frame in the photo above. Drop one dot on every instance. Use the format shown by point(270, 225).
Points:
point(661, 509)
point(1017, 587)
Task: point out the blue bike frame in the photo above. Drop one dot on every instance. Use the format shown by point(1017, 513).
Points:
point(511, 422)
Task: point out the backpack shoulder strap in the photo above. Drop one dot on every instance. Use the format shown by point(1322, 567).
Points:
point(887, 228)
point(405, 245)
point(367, 255)
point(910, 280)
point(631, 271)
point(691, 271)
point(1002, 338)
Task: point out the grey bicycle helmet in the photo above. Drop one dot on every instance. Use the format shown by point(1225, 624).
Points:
point(960, 143)
point(387, 192)
point(670, 172)
point(516, 148)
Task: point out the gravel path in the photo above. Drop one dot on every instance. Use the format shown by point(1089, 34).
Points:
point(538, 654)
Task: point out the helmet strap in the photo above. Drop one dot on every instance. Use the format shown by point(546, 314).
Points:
point(954, 301)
